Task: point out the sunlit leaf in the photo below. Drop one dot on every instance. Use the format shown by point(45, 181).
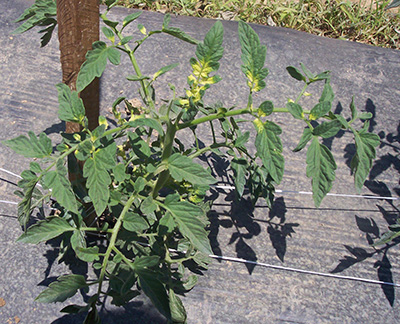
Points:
point(135, 223)
point(295, 110)
point(62, 289)
point(31, 147)
point(296, 74)
point(176, 32)
point(184, 168)
point(186, 215)
point(321, 168)
point(253, 57)
point(45, 230)
point(305, 138)
point(95, 64)
point(269, 148)
point(328, 129)
point(178, 312)
point(365, 153)
point(57, 181)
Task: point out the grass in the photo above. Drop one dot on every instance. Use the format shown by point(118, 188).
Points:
point(353, 21)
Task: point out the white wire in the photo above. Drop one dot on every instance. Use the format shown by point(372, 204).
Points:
point(227, 187)
point(11, 173)
point(8, 202)
point(315, 273)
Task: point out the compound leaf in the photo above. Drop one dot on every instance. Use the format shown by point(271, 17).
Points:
point(31, 147)
point(269, 148)
point(95, 64)
point(184, 168)
point(45, 230)
point(321, 168)
point(62, 289)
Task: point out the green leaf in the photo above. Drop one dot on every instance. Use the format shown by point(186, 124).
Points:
point(164, 69)
point(239, 167)
point(353, 109)
point(45, 230)
point(386, 238)
point(321, 168)
point(98, 179)
point(269, 148)
point(146, 262)
point(108, 33)
point(327, 93)
point(167, 224)
point(295, 110)
point(266, 108)
point(137, 78)
point(134, 223)
point(307, 72)
point(253, 57)
point(393, 4)
point(41, 13)
point(155, 290)
point(365, 153)
point(119, 173)
point(128, 19)
point(176, 32)
point(78, 243)
point(57, 181)
point(296, 74)
point(151, 123)
point(125, 40)
point(31, 147)
point(186, 215)
point(211, 49)
point(320, 109)
point(178, 312)
point(184, 168)
point(328, 129)
point(305, 138)
point(95, 64)
point(62, 289)
point(25, 205)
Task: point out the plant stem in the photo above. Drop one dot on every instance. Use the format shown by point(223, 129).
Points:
point(113, 238)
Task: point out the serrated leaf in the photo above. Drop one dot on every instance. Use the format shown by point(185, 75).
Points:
point(296, 74)
point(328, 129)
point(178, 312)
point(295, 110)
point(152, 123)
point(45, 230)
point(184, 168)
point(98, 179)
point(320, 109)
point(31, 147)
point(61, 189)
point(186, 215)
point(253, 57)
point(128, 19)
point(305, 138)
point(239, 167)
point(25, 205)
point(148, 205)
point(269, 148)
point(134, 223)
point(211, 50)
point(365, 153)
point(321, 168)
point(62, 289)
point(95, 64)
point(155, 290)
point(164, 70)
